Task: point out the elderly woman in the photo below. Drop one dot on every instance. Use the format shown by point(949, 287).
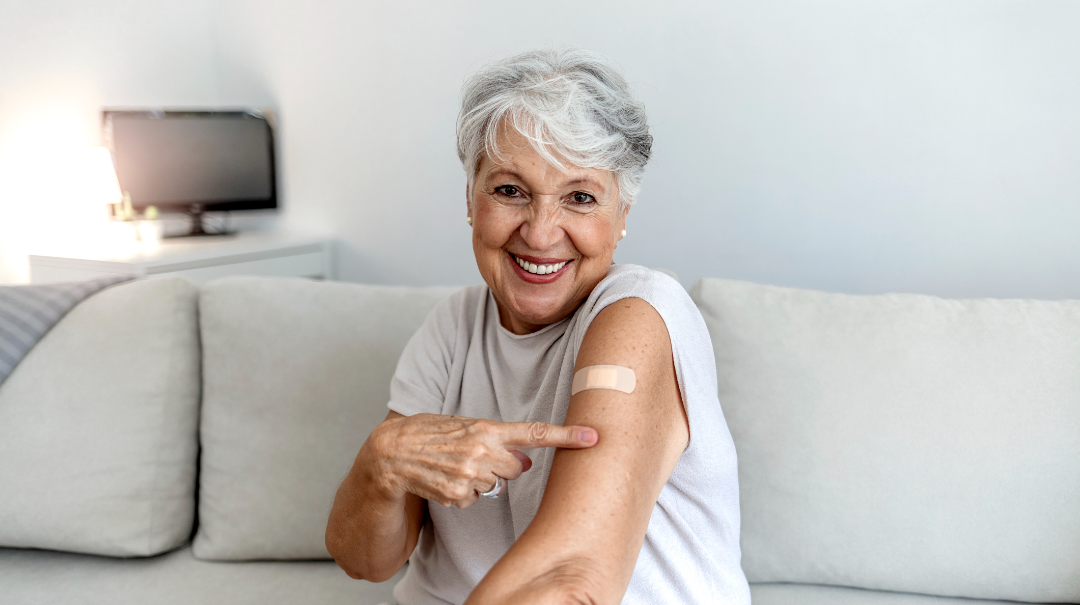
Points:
point(495, 475)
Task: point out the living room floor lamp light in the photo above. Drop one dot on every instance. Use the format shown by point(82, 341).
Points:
point(101, 189)
point(83, 185)
point(100, 181)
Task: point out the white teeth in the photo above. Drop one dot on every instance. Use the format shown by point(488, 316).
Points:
point(539, 269)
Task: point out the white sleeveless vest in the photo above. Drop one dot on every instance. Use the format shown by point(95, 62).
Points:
point(463, 362)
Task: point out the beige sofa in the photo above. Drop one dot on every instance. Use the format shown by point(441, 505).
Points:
point(170, 444)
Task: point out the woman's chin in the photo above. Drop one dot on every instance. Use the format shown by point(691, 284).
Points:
point(537, 311)
point(532, 305)
point(537, 314)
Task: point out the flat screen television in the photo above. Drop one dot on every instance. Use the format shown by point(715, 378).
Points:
point(193, 161)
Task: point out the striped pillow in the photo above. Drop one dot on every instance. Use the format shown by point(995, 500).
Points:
point(28, 312)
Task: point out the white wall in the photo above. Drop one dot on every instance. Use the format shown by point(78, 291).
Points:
point(852, 146)
point(61, 61)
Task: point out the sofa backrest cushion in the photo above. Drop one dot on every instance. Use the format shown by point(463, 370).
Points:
point(296, 374)
point(98, 426)
point(903, 442)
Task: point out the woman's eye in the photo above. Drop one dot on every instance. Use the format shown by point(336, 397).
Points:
point(508, 190)
point(581, 197)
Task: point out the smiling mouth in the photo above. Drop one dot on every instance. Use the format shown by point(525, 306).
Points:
point(538, 269)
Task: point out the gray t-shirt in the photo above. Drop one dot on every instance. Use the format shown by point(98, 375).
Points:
point(462, 361)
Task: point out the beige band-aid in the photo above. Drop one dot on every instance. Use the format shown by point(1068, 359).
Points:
point(604, 377)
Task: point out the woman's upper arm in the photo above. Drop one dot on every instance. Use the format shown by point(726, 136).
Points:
point(585, 538)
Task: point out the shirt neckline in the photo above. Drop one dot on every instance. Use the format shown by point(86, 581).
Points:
point(494, 307)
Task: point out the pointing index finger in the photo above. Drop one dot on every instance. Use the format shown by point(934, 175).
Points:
point(526, 435)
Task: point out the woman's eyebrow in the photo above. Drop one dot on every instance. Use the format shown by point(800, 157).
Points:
point(588, 180)
point(503, 172)
point(506, 172)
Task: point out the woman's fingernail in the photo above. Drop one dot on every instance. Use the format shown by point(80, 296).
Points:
point(586, 436)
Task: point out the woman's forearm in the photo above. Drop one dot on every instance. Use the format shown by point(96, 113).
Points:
point(373, 527)
point(375, 522)
point(568, 581)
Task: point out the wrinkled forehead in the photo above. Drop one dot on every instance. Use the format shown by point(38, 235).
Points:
point(517, 155)
point(540, 176)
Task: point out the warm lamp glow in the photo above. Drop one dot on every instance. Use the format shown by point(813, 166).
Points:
point(58, 197)
point(48, 202)
point(98, 178)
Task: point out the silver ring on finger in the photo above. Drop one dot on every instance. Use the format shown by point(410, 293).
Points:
point(495, 490)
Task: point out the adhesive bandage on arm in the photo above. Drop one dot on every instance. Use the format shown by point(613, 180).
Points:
point(603, 377)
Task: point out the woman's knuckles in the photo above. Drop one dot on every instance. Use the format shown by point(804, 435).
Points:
point(483, 426)
point(539, 432)
point(510, 475)
point(467, 502)
point(477, 451)
point(458, 492)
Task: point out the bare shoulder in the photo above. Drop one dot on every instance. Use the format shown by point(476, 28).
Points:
point(629, 328)
point(632, 334)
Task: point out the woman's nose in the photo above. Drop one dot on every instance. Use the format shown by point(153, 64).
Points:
point(541, 231)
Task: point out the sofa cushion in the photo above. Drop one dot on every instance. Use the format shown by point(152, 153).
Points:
point(809, 594)
point(296, 374)
point(903, 442)
point(28, 312)
point(98, 425)
point(29, 577)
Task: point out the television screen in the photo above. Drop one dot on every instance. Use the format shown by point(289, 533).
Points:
point(175, 160)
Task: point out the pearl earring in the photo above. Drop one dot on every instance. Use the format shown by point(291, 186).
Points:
point(468, 219)
point(622, 234)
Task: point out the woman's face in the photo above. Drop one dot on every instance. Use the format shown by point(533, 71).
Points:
point(562, 224)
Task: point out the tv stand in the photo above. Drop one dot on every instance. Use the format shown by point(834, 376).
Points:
point(198, 259)
point(198, 227)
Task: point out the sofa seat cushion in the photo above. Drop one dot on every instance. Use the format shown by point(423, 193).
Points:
point(902, 442)
point(98, 426)
point(296, 373)
point(810, 594)
point(34, 577)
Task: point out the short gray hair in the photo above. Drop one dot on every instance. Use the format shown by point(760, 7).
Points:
point(571, 104)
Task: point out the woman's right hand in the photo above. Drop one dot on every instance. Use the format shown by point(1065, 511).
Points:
point(450, 459)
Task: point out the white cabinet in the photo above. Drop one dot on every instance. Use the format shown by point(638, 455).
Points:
point(197, 259)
